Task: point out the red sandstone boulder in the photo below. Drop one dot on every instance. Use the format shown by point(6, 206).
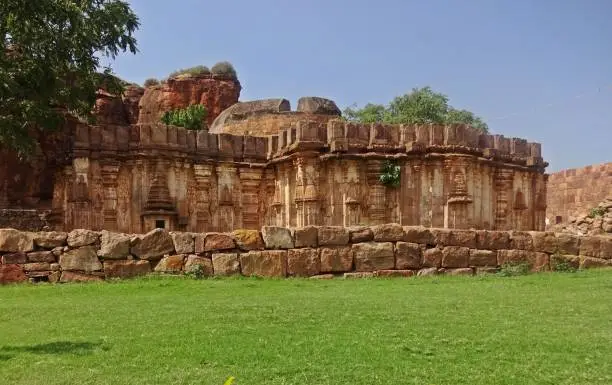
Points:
point(483, 258)
point(131, 100)
point(455, 256)
point(303, 262)
point(50, 240)
point(84, 259)
point(248, 239)
point(419, 234)
point(432, 257)
point(217, 241)
point(225, 263)
point(492, 240)
point(306, 236)
point(81, 237)
point(390, 232)
point(153, 245)
point(360, 234)
point(521, 240)
point(126, 268)
point(109, 109)
point(72, 276)
point(170, 264)
point(14, 258)
point(113, 245)
point(277, 237)
point(590, 262)
point(333, 236)
point(361, 274)
point(184, 243)
point(536, 260)
point(194, 260)
point(408, 255)
point(12, 240)
point(11, 274)
point(336, 259)
point(269, 263)
point(427, 272)
point(180, 92)
point(371, 256)
point(36, 266)
point(41, 256)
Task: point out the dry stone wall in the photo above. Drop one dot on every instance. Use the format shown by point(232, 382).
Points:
point(388, 250)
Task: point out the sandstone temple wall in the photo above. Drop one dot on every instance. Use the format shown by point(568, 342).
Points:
point(135, 178)
point(323, 252)
point(575, 191)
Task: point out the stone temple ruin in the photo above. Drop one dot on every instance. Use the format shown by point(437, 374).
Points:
point(260, 163)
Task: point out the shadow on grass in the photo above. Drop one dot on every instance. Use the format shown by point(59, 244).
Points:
point(58, 347)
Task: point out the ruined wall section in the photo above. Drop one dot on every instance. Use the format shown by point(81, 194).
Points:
point(452, 176)
point(574, 192)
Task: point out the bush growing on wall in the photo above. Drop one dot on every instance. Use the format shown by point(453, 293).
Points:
point(390, 174)
point(224, 68)
point(191, 118)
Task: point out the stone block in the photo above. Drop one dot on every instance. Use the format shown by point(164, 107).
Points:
point(37, 266)
point(572, 260)
point(359, 234)
point(461, 271)
point(126, 268)
point(492, 240)
point(323, 276)
point(153, 245)
point(72, 276)
point(225, 263)
point(84, 258)
point(567, 244)
point(268, 263)
point(12, 241)
point(536, 260)
point(11, 273)
point(486, 270)
point(427, 272)
point(332, 236)
point(54, 276)
point(54, 266)
point(113, 245)
point(184, 243)
point(394, 273)
point(596, 246)
point(81, 237)
point(521, 240)
point(194, 260)
point(455, 256)
point(419, 234)
point(14, 258)
point(590, 263)
point(432, 257)
point(248, 239)
point(482, 258)
point(41, 256)
point(170, 264)
point(371, 256)
point(336, 259)
point(218, 242)
point(389, 232)
point(277, 237)
point(306, 236)
point(303, 262)
point(544, 242)
point(452, 237)
point(361, 274)
point(50, 239)
point(408, 255)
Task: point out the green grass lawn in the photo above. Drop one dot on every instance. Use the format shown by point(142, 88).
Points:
point(537, 329)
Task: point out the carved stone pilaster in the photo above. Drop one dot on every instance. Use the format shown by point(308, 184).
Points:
point(306, 191)
point(250, 181)
point(352, 196)
point(458, 199)
point(503, 191)
point(377, 192)
point(110, 172)
point(225, 197)
point(203, 174)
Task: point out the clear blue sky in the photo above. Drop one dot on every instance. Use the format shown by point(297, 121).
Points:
point(506, 60)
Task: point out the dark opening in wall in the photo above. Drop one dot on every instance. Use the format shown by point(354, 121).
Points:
point(558, 219)
point(160, 224)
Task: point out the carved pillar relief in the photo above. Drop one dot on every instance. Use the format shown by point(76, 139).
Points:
point(377, 191)
point(202, 174)
point(250, 181)
point(225, 197)
point(503, 192)
point(124, 189)
point(458, 201)
point(352, 195)
point(110, 172)
point(306, 191)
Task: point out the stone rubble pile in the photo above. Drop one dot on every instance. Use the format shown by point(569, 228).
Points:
point(314, 251)
point(597, 221)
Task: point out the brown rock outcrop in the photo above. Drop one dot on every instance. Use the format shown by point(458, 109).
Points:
point(216, 93)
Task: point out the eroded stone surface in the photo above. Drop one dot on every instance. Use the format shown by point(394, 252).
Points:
point(336, 259)
point(277, 237)
point(183, 242)
point(84, 258)
point(126, 268)
point(82, 237)
point(225, 263)
point(11, 273)
point(113, 245)
point(41, 256)
point(306, 236)
point(170, 264)
point(268, 263)
point(390, 232)
point(194, 260)
point(371, 256)
point(303, 262)
point(248, 239)
point(153, 245)
point(483, 258)
point(333, 236)
point(73, 276)
point(50, 239)
point(12, 241)
point(408, 255)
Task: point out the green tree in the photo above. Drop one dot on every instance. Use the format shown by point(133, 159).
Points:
point(421, 105)
point(50, 61)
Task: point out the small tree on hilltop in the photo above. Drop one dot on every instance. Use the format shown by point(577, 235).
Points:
point(421, 105)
